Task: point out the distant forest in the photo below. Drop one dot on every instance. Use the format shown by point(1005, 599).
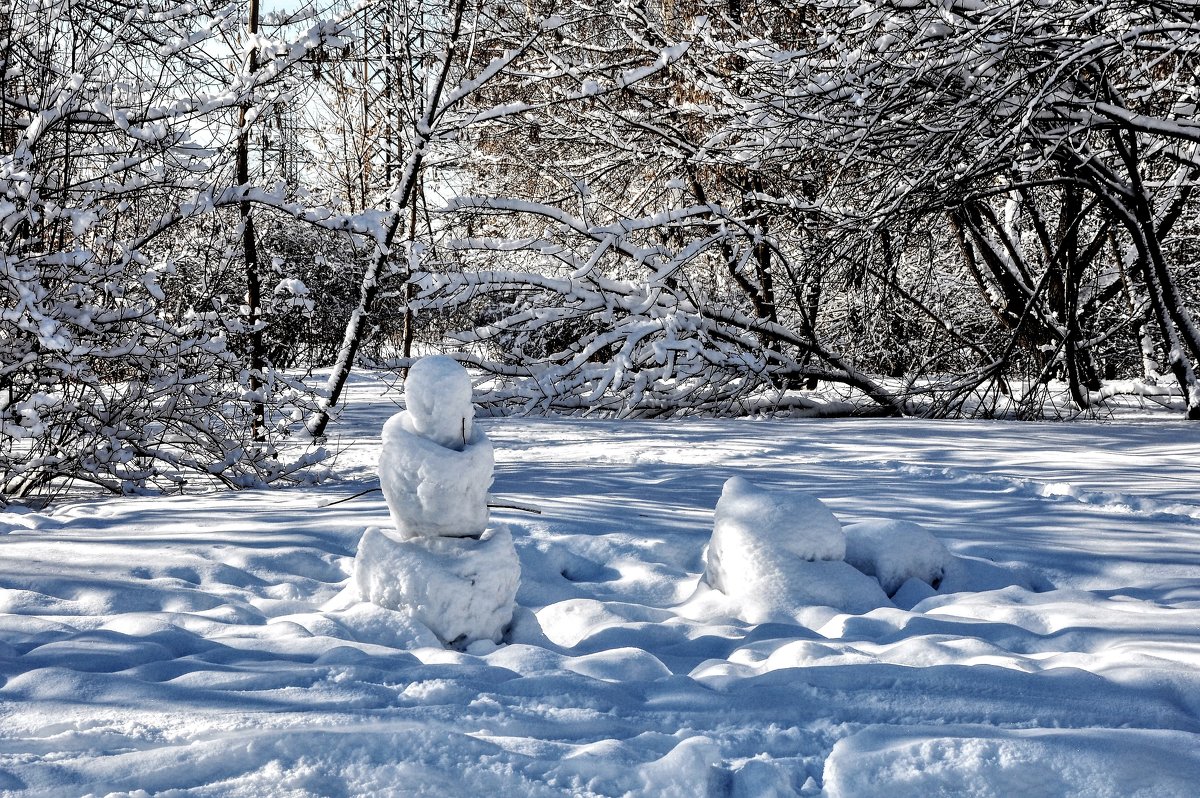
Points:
point(642, 209)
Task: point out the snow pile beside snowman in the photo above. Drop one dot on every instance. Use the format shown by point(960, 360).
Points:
point(778, 554)
point(441, 565)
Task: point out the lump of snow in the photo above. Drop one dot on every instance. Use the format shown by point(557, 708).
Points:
point(463, 590)
point(777, 553)
point(912, 593)
point(749, 517)
point(896, 551)
point(621, 664)
point(784, 588)
point(973, 574)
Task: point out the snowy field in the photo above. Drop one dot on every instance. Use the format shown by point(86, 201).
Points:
point(192, 645)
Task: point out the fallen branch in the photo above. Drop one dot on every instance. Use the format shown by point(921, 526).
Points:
point(495, 505)
point(350, 498)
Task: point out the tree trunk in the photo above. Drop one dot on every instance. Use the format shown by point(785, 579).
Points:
point(250, 255)
point(401, 197)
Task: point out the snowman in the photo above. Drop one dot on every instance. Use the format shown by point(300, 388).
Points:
point(440, 564)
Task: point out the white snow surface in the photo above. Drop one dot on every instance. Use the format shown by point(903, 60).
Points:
point(191, 645)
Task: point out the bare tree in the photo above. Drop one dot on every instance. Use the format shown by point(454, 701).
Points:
point(468, 51)
point(121, 126)
point(1042, 134)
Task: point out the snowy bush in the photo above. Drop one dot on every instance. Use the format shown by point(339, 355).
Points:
point(103, 384)
point(117, 138)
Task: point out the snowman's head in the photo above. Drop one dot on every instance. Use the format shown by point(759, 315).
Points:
point(437, 394)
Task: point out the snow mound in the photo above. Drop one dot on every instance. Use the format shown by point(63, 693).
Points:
point(982, 761)
point(779, 552)
point(783, 589)
point(895, 552)
point(462, 589)
point(364, 622)
point(751, 521)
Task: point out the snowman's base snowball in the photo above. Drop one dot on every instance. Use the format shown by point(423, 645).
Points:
point(462, 589)
point(896, 551)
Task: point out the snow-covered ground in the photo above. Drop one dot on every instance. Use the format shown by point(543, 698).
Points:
point(183, 646)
